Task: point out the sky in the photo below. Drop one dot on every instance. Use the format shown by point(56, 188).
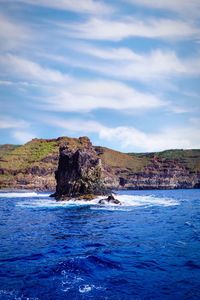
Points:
point(125, 73)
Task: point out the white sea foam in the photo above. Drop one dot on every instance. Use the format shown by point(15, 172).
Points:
point(135, 200)
point(10, 295)
point(22, 195)
point(51, 203)
point(85, 288)
point(128, 202)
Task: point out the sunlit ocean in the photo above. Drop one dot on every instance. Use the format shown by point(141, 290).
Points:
point(147, 248)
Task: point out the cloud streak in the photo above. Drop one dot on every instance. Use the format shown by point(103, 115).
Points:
point(29, 70)
point(22, 136)
point(131, 138)
point(116, 30)
point(85, 96)
point(124, 63)
point(78, 6)
point(184, 7)
point(12, 34)
point(8, 122)
point(64, 93)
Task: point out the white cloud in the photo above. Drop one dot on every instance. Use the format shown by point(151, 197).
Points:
point(185, 7)
point(195, 121)
point(12, 34)
point(80, 6)
point(22, 136)
point(84, 96)
point(63, 93)
point(107, 53)
point(107, 29)
point(8, 122)
point(6, 82)
point(126, 64)
point(130, 138)
point(167, 138)
point(76, 125)
point(28, 70)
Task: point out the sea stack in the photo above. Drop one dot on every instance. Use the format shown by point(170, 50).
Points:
point(79, 173)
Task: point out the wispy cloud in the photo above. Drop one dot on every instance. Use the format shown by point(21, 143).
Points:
point(84, 96)
point(64, 93)
point(12, 34)
point(9, 122)
point(19, 129)
point(131, 138)
point(124, 63)
point(116, 30)
point(185, 7)
point(80, 6)
point(22, 136)
point(29, 70)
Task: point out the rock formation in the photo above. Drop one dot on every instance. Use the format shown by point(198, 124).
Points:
point(110, 200)
point(79, 171)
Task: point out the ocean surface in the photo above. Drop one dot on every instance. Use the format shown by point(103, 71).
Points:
point(148, 248)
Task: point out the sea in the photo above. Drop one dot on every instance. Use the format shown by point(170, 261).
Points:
point(146, 248)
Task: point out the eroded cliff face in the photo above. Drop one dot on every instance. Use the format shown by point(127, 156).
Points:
point(33, 166)
point(158, 174)
point(79, 171)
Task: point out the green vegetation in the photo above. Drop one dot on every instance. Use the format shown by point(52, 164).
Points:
point(22, 157)
point(6, 149)
point(189, 158)
point(117, 159)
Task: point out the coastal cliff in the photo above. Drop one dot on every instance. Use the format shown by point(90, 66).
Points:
point(33, 166)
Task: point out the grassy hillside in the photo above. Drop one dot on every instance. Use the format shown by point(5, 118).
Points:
point(116, 159)
point(24, 156)
point(34, 163)
point(6, 149)
point(189, 158)
point(34, 153)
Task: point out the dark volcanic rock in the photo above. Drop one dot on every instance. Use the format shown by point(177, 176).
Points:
point(79, 171)
point(110, 200)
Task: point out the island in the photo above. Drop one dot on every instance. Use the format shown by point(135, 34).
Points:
point(73, 166)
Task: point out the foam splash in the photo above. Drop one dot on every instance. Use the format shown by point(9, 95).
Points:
point(72, 281)
point(10, 295)
point(135, 200)
point(51, 203)
point(128, 202)
point(22, 195)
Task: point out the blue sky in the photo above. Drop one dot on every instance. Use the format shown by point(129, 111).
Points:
point(126, 73)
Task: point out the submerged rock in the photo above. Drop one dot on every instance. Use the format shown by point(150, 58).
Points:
point(109, 200)
point(79, 171)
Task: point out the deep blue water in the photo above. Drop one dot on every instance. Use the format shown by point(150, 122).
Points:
point(149, 248)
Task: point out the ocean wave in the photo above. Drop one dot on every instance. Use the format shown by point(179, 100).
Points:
point(135, 200)
point(22, 195)
point(128, 202)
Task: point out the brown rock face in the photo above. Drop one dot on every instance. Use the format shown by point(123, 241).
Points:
point(79, 171)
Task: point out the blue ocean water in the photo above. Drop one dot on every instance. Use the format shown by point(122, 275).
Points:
point(148, 248)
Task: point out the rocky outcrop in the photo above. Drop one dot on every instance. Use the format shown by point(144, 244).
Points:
point(79, 171)
point(109, 200)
